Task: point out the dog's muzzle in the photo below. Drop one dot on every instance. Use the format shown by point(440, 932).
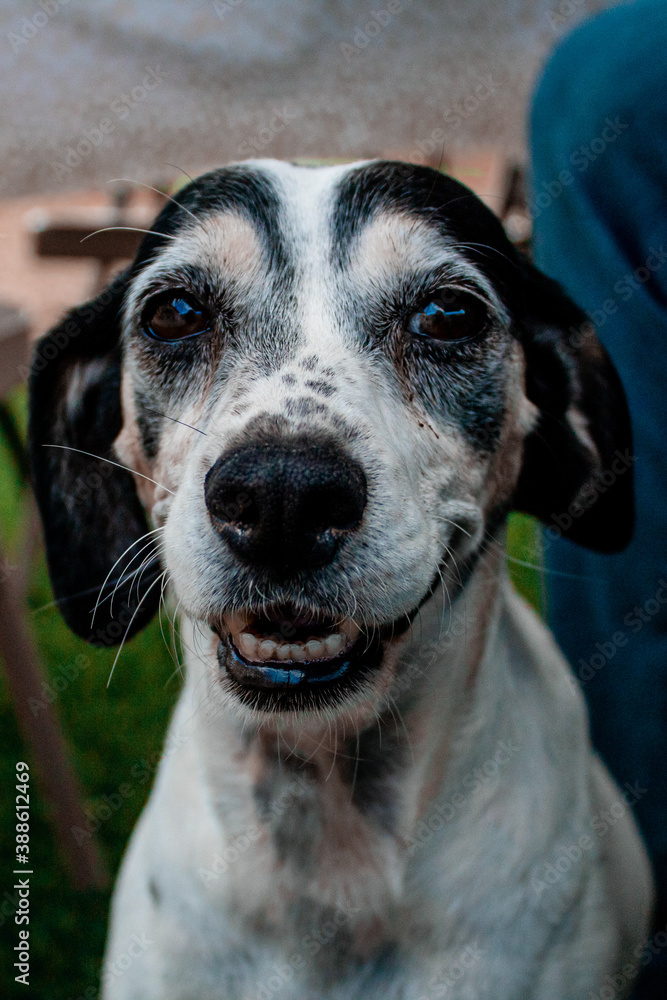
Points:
point(285, 509)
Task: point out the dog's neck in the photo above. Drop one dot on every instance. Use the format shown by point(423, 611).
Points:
point(327, 817)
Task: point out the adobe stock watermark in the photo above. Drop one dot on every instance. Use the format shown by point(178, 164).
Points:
point(364, 34)
point(589, 494)
point(441, 813)
point(31, 26)
point(569, 856)
point(225, 7)
point(141, 772)
point(441, 984)
point(318, 937)
point(580, 159)
point(115, 967)
point(560, 16)
point(461, 109)
point(134, 949)
point(617, 986)
point(415, 671)
point(49, 349)
point(119, 109)
point(634, 622)
point(59, 683)
point(629, 284)
point(99, 812)
point(277, 123)
point(223, 860)
point(624, 287)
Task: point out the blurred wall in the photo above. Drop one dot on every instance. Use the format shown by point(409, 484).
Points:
point(95, 90)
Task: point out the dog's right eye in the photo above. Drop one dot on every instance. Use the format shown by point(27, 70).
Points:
point(175, 316)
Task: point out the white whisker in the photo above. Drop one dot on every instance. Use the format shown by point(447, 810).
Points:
point(122, 576)
point(150, 187)
point(127, 630)
point(129, 229)
point(100, 458)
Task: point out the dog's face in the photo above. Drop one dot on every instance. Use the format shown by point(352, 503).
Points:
point(331, 385)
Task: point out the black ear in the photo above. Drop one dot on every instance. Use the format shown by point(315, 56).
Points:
point(90, 509)
point(577, 472)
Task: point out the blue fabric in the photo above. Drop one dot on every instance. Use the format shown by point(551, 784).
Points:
point(599, 197)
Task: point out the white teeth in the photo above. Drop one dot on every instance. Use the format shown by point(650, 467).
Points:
point(256, 648)
point(267, 649)
point(248, 645)
point(333, 644)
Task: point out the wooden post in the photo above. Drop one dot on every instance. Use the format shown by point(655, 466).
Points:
point(22, 667)
point(43, 735)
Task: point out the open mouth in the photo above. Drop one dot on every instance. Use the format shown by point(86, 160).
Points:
point(290, 655)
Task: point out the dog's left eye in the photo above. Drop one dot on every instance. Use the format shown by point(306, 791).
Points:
point(175, 316)
point(450, 316)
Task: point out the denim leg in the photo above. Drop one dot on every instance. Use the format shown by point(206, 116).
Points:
point(599, 197)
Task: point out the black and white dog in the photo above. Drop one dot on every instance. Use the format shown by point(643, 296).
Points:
point(315, 395)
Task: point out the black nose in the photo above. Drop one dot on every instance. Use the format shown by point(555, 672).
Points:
point(286, 506)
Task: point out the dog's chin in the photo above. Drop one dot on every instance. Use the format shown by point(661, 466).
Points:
point(301, 663)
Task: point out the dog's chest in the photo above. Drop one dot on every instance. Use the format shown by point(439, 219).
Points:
point(322, 842)
point(309, 880)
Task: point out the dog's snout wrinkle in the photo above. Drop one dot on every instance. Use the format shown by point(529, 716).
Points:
point(287, 506)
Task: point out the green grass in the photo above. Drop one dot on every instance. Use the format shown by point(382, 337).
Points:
point(109, 731)
point(524, 556)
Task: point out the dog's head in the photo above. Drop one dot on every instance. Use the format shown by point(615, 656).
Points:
point(330, 385)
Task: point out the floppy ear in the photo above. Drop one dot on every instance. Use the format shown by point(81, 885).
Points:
point(577, 471)
point(90, 509)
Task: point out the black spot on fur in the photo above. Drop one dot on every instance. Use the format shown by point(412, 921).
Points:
point(332, 930)
point(343, 428)
point(238, 393)
point(289, 379)
point(464, 386)
point(264, 427)
point(149, 424)
point(323, 388)
point(304, 406)
point(288, 804)
point(309, 364)
point(381, 756)
point(154, 891)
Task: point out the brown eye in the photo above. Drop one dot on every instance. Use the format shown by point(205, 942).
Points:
point(451, 316)
point(175, 316)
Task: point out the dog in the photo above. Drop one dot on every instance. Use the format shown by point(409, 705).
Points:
point(309, 405)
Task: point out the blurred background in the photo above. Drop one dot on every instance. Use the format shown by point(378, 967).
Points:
point(98, 100)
